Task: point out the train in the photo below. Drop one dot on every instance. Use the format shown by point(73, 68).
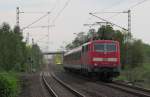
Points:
point(99, 58)
point(58, 59)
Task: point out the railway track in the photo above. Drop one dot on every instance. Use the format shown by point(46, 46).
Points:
point(57, 88)
point(48, 87)
point(132, 86)
point(129, 89)
point(137, 91)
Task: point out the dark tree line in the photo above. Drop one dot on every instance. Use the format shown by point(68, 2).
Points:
point(14, 53)
point(132, 52)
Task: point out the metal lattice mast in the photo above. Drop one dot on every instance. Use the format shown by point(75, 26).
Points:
point(129, 23)
point(17, 16)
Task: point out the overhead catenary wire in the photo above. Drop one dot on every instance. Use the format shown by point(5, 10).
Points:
point(118, 13)
point(30, 26)
point(111, 6)
point(137, 4)
point(35, 27)
point(114, 4)
point(106, 8)
point(55, 5)
point(31, 12)
point(108, 21)
point(36, 21)
point(59, 13)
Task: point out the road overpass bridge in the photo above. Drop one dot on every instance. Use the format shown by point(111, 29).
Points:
point(53, 52)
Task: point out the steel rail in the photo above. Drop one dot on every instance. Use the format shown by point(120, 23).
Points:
point(68, 87)
point(132, 86)
point(127, 89)
point(50, 90)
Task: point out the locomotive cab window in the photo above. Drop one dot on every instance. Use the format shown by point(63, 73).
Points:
point(105, 47)
point(111, 47)
point(99, 47)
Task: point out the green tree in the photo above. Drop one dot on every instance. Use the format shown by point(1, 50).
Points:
point(105, 32)
point(14, 53)
point(146, 48)
point(136, 53)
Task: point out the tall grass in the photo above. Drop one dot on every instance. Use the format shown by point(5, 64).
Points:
point(139, 75)
point(9, 86)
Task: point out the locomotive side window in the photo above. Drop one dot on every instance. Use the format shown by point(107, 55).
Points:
point(85, 48)
point(82, 48)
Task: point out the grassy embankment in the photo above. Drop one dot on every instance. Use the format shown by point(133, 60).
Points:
point(9, 84)
point(139, 75)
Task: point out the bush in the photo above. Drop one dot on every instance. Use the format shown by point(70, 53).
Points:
point(8, 85)
point(139, 75)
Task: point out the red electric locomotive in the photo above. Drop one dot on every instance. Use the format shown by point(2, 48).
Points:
point(97, 57)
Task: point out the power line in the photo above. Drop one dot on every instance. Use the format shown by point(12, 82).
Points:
point(40, 26)
point(36, 21)
point(59, 13)
point(118, 13)
point(108, 21)
point(57, 1)
point(30, 12)
point(116, 3)
point(137, 4)
point(41, 38)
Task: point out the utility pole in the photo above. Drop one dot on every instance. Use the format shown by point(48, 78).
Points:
point(27, 38)
point(32, 55)
point(48, 32)
point(32, 41)
point(128, 38)
point(17, 16)
point(129, 23)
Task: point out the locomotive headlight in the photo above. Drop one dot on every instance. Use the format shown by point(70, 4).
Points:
point(95, 64)
point(97, 59)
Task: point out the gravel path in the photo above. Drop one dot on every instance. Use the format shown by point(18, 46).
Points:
point(32, 86)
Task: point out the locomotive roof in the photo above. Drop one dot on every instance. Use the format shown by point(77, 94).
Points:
point(80, 47)
point(74, 50)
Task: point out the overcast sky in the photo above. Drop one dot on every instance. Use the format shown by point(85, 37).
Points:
point(72, 18)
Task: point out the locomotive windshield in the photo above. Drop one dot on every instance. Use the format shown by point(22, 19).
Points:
point(105, 47)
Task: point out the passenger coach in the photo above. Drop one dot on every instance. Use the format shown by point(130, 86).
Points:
point(97, 57)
